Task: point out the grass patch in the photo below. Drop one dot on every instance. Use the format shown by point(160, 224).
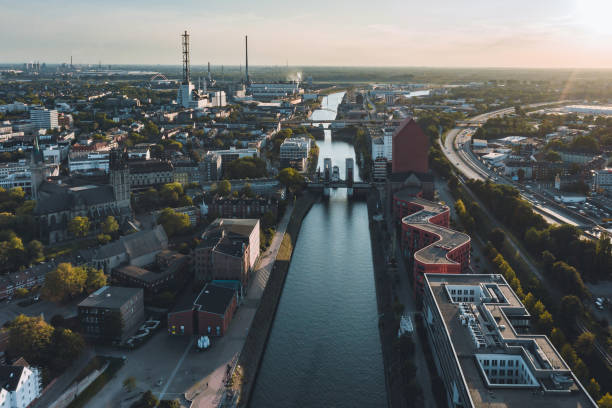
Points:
point(99, 383)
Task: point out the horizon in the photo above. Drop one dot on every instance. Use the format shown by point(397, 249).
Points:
point(568, 34)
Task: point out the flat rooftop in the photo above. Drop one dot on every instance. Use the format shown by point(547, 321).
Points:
point(485, 328)
point(110, 297)
point(437, 252)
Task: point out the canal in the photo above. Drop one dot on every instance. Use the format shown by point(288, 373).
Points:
point(324, 348)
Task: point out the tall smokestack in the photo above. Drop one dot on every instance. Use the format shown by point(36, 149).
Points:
point(186, 75)
point(246, 48)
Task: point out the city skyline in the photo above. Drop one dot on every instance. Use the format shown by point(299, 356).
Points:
point(546, 34)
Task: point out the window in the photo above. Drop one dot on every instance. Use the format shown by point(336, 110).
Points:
point(502, 363)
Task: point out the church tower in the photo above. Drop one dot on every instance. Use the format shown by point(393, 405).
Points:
point(37, 168)
point(119, 177)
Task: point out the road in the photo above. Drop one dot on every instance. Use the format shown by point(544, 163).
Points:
point(169, 365)
point(457, 148)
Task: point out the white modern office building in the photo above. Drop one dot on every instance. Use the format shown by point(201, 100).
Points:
point(44, 118)
point(485, 349)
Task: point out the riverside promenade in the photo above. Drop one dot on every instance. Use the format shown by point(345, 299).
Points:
point(210, 390)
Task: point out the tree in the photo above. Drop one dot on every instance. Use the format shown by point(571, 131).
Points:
point(545, 321)
point(129, 383)
point(66, 346)
point(224, 188)
point(538, 308)
point(571, 307)
point(291, 179)
point(529, 301)
point(35, 251)
point(173, 222)
point(585, 343)
point(29, 338)
point(64, 282)
point(594, 389)
point(605, 401)
point(557, 337)
point(247, 191)
point(103, 239)
point(148, 400)
point(171, 193)
point(95, 279)
point(552, 156)
point(21, 293)
point(79, 226)
point(497, 238)
point(110, 225)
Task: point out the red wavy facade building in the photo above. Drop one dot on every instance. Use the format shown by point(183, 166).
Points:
point(427, 240)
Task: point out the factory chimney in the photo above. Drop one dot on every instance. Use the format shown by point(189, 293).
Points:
point(246, 47)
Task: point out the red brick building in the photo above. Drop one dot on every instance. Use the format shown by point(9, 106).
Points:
point(210, 315)
point(427, 241)
point(410, 148)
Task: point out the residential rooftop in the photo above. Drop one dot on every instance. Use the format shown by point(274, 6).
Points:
point(487, 324)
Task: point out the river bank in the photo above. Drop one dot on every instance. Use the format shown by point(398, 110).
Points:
point(255, 344)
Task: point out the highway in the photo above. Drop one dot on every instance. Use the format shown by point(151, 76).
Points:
point(457, 148)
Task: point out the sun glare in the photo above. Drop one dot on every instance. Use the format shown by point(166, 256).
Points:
point(595, 15)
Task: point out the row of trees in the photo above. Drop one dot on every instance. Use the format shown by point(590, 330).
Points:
point(592, 259)
point(67, 282)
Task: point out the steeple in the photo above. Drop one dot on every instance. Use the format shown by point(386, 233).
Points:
point(37, 168)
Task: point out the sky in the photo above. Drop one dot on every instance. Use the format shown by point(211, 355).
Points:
point(437, 33)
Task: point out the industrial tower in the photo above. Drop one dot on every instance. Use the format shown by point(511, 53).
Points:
point(186, 75)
